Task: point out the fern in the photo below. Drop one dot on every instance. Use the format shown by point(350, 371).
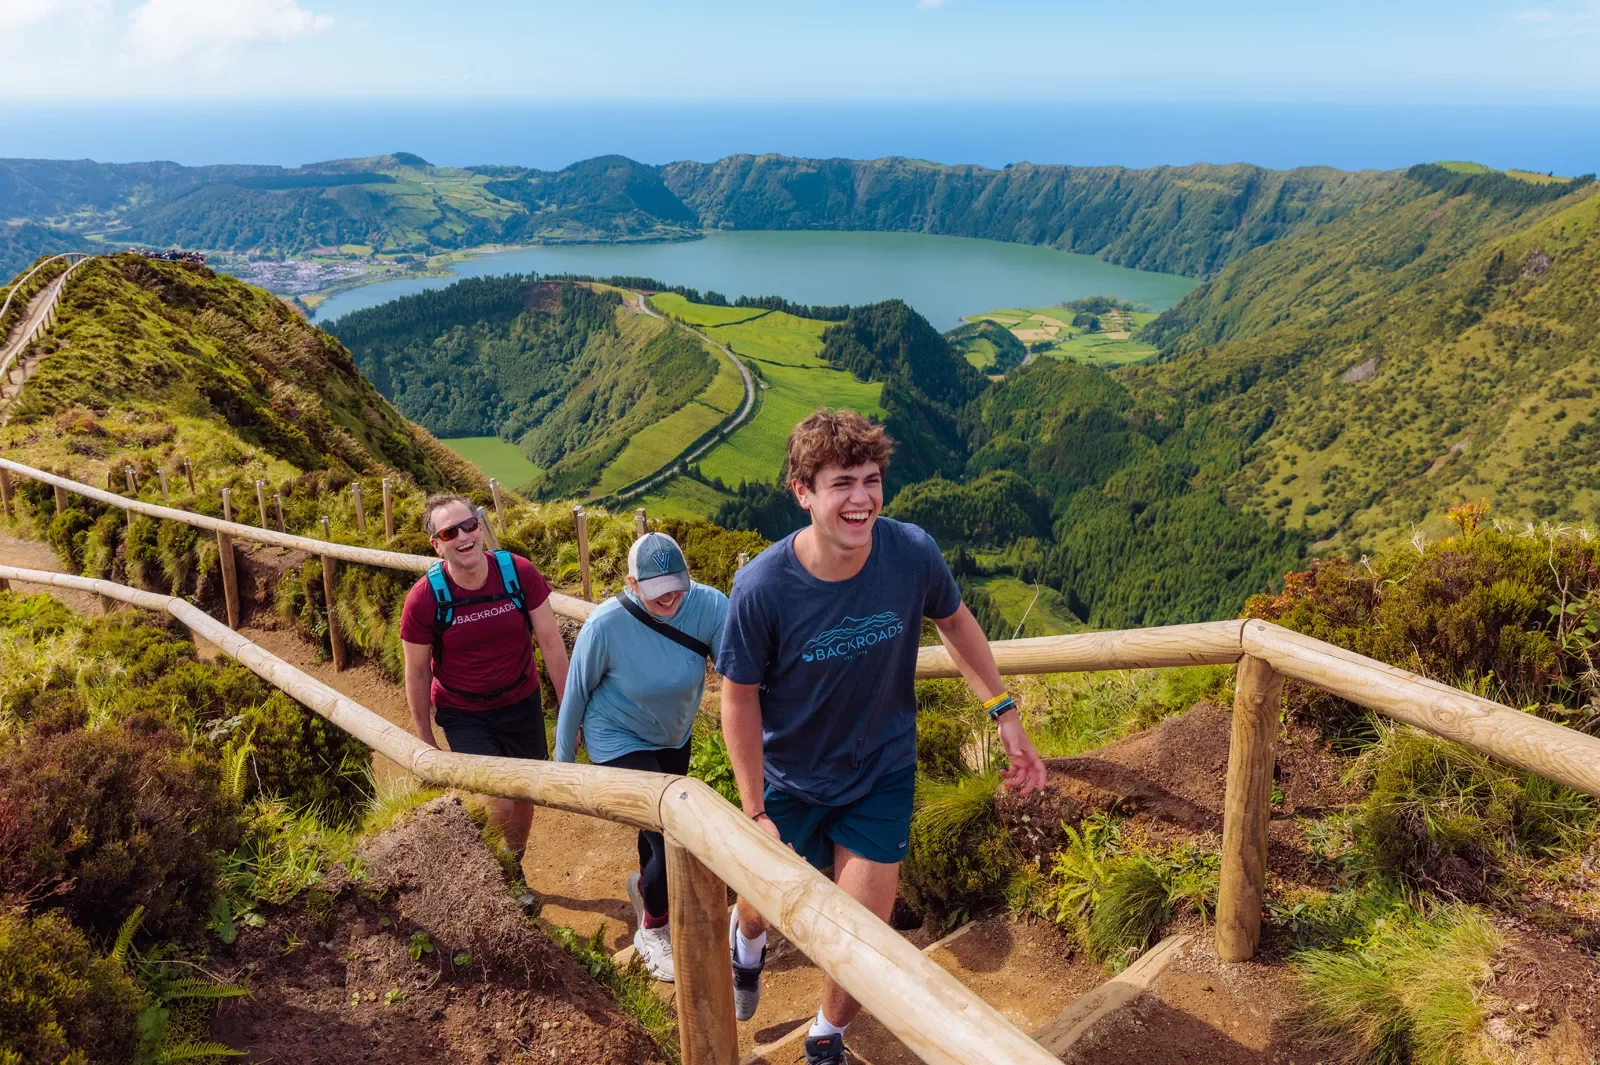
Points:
point(192, 1051)
point(234, 760)
point(124, 942)
point(195, 987)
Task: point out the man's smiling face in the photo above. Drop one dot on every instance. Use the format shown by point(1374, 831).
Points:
point(465, 548)
point(843, 503)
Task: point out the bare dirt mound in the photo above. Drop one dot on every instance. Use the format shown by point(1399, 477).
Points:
point(1545, 995)
point(1172, 777)
point(422, 958)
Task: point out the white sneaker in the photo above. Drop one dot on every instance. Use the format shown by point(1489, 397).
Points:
point(636, 897)
point(655, 949)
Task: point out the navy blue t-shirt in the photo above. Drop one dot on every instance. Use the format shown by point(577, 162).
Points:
point(836, 660)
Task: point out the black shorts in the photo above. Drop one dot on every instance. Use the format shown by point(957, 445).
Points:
point(515, 731)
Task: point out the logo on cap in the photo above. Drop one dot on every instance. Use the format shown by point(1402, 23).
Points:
point(659, 558)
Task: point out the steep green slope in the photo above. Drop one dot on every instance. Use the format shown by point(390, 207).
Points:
point(1187, 220)
point(160, 358)
point(1422, 352)
point(569, 372)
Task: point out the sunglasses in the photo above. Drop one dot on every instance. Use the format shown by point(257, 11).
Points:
point(448, 534)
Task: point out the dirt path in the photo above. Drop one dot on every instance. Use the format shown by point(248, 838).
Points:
point(13, 370)
point(31, 554)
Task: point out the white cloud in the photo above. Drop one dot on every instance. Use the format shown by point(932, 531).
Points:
point(20, 14)
point(167, 30)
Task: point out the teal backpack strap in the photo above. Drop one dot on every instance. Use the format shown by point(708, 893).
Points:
point(444, 611)
point(508, 579)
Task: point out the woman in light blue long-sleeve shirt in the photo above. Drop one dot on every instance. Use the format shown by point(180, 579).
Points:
point(632, 695)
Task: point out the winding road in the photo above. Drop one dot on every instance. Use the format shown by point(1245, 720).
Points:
point(675, 467)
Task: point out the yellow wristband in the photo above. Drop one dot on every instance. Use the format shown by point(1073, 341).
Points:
point(997, 700)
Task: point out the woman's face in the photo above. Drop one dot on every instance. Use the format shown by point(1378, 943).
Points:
point(663, 606)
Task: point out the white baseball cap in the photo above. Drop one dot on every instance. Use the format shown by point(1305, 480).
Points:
point(656, 561)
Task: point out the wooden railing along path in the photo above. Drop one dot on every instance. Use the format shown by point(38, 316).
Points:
point(711, 844)
point(9, 350)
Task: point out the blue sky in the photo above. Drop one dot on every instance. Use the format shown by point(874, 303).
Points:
point(1502, 51)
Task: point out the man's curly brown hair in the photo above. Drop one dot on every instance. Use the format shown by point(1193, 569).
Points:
point(835, 438)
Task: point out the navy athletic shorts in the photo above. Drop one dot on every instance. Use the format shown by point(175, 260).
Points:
point(514, 731)
point(876, 826)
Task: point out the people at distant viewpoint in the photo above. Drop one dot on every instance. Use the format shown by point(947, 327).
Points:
point(638, 674)
point(818, 701)
point(467, 630)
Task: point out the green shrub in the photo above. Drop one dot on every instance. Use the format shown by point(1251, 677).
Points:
point(1443, 816)
point(60, 1002)
point(959, 857)
point(1409, 992)
point(1114, 897)
point(708, 761)
point(106, 819)
point(34, 617)
point(1515, 616)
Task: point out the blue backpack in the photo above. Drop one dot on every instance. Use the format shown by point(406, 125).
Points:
point(445, 607)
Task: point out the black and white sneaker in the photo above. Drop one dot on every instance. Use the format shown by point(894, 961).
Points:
point(826, 1050)
point(746, 982)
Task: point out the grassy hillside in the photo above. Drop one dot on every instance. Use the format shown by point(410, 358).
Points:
point(152, 359)
point(1063, 332)
point(1436, 347)
point(596, 394)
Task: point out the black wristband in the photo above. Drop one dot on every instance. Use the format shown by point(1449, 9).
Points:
point(759, 814)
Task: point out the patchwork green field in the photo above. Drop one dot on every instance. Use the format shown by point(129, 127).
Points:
point(495, 458)
point(1110, 345)
point(654, 445)
point(781, 350)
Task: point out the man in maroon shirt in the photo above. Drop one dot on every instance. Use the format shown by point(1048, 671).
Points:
point(477, 671)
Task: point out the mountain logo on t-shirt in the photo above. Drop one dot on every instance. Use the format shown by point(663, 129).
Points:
point(852, 636)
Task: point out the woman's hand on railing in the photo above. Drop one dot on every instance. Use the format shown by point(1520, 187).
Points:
point(1026, 774)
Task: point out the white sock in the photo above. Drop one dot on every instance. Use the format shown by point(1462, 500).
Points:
point(823, 1026)
point(747, 952)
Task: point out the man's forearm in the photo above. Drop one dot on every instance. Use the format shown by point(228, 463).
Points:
point(419, 698)
point(969, 648)
point(741, 728)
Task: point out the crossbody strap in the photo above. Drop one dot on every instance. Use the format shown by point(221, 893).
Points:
point(677, 636)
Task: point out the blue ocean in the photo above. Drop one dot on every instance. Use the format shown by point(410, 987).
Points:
point(1551, 137)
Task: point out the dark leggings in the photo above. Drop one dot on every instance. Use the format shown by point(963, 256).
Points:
point(652, 848)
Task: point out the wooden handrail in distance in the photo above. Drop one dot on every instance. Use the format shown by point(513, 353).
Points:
point(922, 1004)
point(565, 605)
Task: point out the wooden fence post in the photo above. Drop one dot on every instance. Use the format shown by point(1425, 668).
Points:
point(499, 508)
point(61, 497)
point(640, 524)
point(188, 472)
point(388, 510)
point(582, 521)
point(335, 640)
point(261, 501)
point(109, 480)
point(1247, 809)
point(697, 903)
point(133, 485)
point(361, 511)
point(277, 502)
point(230, 578)
point(227, 504)
point(5, 492)
point(166, 492)
point(741, 562)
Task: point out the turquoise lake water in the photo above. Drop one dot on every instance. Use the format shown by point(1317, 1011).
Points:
point(942, 277)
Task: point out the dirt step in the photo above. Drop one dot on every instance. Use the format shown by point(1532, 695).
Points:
point(1025, 969)
point(1199, 1010)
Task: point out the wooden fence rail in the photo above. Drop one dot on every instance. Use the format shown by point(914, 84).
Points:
point(862, 954)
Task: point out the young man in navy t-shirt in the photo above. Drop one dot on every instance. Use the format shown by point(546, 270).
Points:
point(819, 701)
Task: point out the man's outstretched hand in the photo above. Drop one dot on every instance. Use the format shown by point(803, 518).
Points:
point(1026, 774)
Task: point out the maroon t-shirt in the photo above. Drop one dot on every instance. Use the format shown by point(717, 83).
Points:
point(487, 647)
